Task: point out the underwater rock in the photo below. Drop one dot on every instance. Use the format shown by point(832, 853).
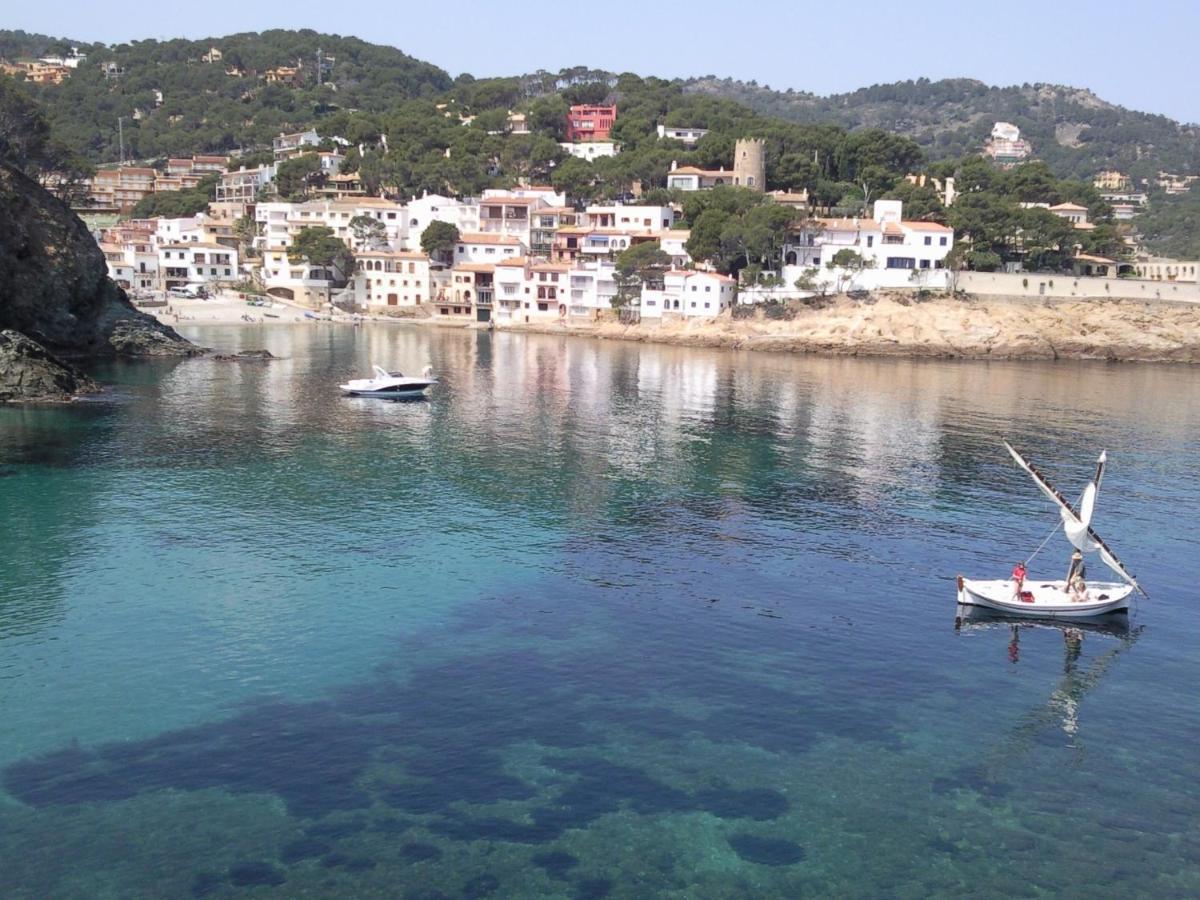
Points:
point(766, 851)
point(255, 872)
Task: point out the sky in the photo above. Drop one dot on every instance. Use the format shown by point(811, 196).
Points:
point(1137, 55)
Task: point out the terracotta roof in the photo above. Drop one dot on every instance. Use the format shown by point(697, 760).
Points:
point(717, 275)
point(474, 267)
point(845, 225)
point(550, 267)
point(1069, 207)
point(1085, 257)
point(509, 201)
point(926, 226)
point(478, 238)
point(513, 261)
point(893, 229)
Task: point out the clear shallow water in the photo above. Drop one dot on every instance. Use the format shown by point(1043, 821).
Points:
point(598, 620)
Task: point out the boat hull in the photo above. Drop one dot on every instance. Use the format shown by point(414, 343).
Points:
point(1047, 599)
point(415, 390)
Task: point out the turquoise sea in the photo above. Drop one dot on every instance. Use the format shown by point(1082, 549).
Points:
point(595, 620)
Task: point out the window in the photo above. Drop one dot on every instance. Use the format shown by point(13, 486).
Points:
point(928, 241)
point(901, 262)
point(708, 289)
point(706, 304)
point(543, 307)
point(924, 264)
point(942, 242)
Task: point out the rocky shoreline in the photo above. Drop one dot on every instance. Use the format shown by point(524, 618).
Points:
point(981, 327)
point(57, 302)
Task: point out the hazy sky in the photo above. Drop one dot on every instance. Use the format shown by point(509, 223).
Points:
point(1138, 55)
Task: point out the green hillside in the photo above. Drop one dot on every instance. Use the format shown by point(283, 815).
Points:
point(1075, 132)
point(205, 109)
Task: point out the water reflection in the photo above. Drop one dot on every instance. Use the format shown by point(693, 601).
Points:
point(595, 617)
point(1079, 676)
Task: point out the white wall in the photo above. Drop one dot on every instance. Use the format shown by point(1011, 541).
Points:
point(1034, 284)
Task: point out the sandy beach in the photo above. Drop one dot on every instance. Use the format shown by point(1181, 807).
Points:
point(226, 309)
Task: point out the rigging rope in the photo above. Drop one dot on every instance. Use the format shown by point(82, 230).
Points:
point(1057, 525)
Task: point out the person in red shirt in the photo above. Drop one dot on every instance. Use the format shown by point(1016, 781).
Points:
point(1018, 575)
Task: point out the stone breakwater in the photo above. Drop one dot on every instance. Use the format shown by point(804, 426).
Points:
point(982, 327)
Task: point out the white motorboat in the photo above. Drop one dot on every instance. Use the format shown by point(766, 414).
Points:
point(391, 385)
point(1073, 598)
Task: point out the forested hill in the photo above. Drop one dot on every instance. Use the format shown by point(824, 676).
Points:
point(1075, 132)
point(221, 104)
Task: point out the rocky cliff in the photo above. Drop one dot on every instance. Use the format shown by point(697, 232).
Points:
point(55, 289)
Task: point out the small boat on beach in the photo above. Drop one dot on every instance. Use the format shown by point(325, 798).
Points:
point(390, 385)
point(1072, 597)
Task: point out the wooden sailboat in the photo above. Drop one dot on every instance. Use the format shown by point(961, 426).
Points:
point(1044, 598)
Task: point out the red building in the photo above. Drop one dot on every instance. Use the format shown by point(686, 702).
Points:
point(590, 123)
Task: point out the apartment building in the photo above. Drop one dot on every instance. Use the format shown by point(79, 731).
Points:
point(393, 278)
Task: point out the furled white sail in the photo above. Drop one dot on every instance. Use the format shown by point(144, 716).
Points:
point(1077, 524)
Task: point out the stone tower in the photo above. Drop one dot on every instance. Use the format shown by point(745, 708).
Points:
point(750, 163)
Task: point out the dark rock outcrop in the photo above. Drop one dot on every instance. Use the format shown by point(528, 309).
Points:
point(54, 284)
point(28, 371)
point(247, 356)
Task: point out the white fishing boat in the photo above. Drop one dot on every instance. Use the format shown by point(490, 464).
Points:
point(390, 385)
point(1073, 597)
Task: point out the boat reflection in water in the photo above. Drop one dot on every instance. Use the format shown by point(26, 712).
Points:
point(1078, 677)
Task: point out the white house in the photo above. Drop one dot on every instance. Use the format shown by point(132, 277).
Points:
point(631, 218)
point(690, 294)
point(893, 248)
point(590, 150)
point(196, 263)
point(421, 212)
point(473, 247)
point(393, 278)
point(133, 264)
point(280, 222)
point(687, 136)
point(691, 178)
point(526, 291)
point(508, 215)
point(543, 192)
point(591, 288)
point(178, 231)
point(673, 243)
point(288, 145)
